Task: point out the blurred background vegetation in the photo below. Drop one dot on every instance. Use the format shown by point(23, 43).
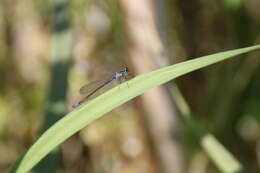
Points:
point(49, 49)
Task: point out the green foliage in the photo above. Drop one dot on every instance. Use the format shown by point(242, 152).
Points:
point(96, 108)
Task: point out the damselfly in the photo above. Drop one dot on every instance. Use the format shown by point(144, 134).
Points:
point(93, 87)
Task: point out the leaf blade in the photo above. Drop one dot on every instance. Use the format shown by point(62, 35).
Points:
point(104, 103)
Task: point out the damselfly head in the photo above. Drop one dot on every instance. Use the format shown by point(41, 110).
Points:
point(126, 70)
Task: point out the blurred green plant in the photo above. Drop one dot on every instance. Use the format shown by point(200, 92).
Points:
point(60, 57)
point(96, 108)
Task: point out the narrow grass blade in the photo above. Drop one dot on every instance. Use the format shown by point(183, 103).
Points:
point(87, 113)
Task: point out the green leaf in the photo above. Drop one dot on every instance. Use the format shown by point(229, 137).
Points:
point(96, 108)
